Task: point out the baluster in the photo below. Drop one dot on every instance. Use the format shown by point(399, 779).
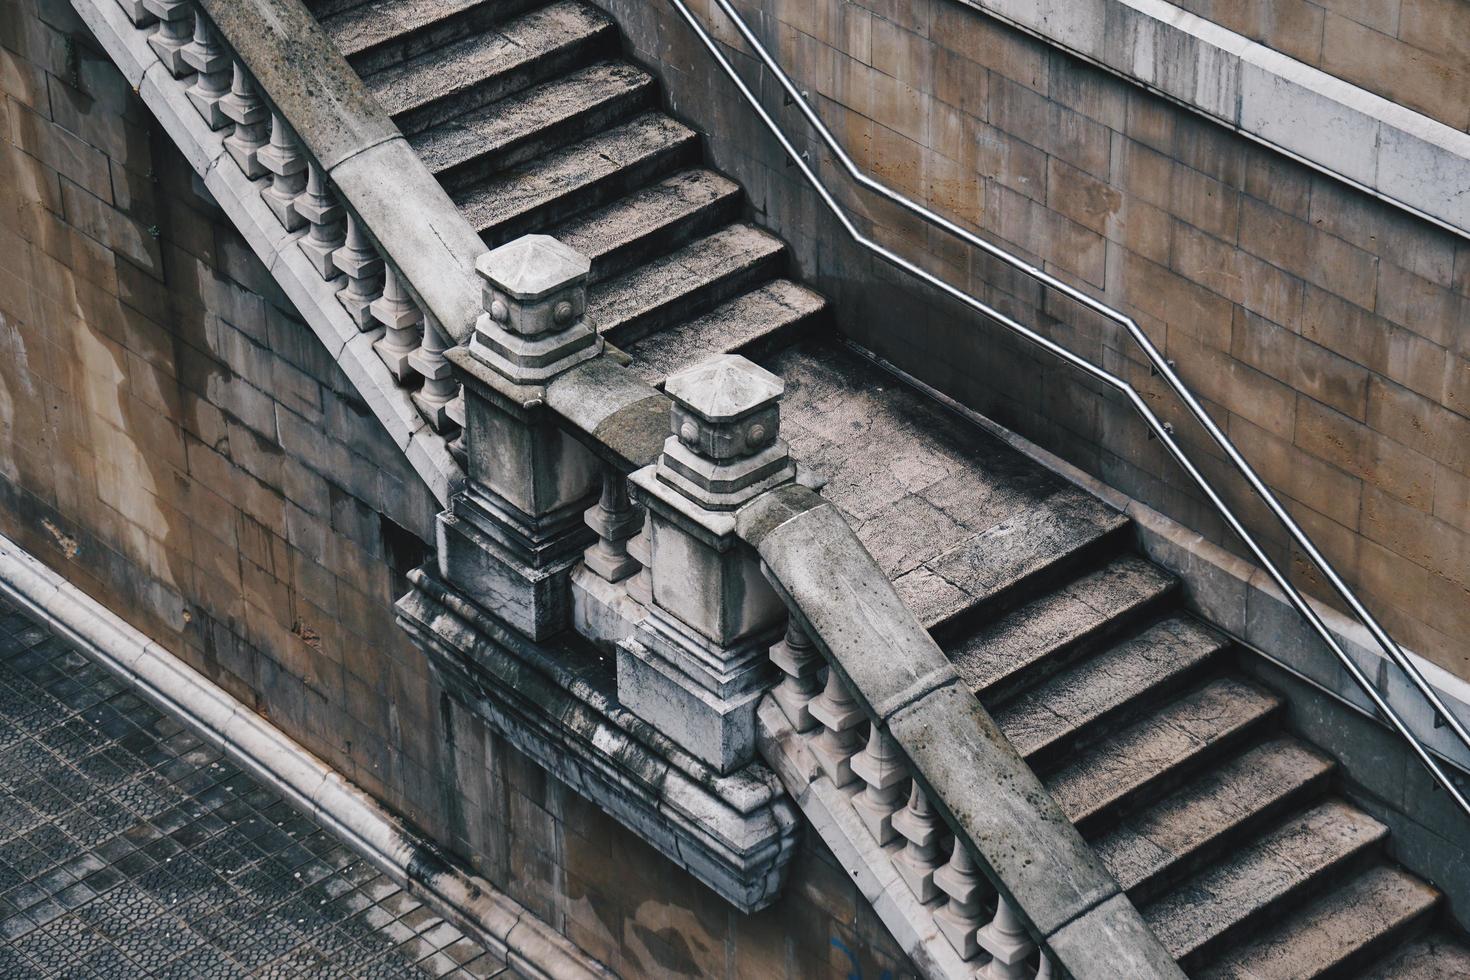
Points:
point(615, 520)
point(439, 388)
point(321, 210)
point(359, 261)
point(800, 664)
point(1008, 944)
point(251, 118)
point(959, 918)
point(880, 766)
point(919, 827)
point(207, 56)
point(640, 586)
point(1043, 972)
point(175, 31)
point(841, 735)
point(138, 13)
point(455, 411)
point(397, 311)
point(287, 164)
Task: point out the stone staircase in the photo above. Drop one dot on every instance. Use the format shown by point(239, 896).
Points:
point(1226, 831)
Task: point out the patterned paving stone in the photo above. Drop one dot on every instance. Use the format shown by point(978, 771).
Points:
point(129, 848)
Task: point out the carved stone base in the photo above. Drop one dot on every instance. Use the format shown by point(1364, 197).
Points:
point(736, 833)
point(527, 584)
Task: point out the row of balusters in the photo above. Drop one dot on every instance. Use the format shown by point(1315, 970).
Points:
point(297, 191)
point(934, 864)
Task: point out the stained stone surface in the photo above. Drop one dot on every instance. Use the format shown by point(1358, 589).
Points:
point(128, 848)
point(953, 515)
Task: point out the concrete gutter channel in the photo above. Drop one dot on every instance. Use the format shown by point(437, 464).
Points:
point(976, 778)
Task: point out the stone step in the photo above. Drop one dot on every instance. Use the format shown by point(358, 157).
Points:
point(1307, 853)
point(488, 66)
point(1154, 755)
point(1075, 707)
point(527, 124)
point(685, 283)
point(1044, 635)
point(576, 178)
point(1338, 933)
point(958, 520)
point(1434, 957)
point(652, 220)
point(379, 33)
point(1153, 848)
point(754, 324)
point(1030, 553)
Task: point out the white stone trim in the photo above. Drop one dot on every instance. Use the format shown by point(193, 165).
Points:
point(501, 924)
point(239, 197)
point(1239, 598)
point(1392, 152)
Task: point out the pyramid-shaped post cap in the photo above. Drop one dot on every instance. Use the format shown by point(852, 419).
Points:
point(725, 388)
point(726, 407)
point(533, 267)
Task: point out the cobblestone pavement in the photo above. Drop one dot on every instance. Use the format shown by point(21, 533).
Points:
point(128, 848)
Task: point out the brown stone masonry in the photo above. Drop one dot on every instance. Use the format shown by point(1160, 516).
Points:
point(1326, 330)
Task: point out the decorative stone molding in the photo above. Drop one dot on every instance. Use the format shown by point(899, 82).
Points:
point(697, 664)
point(557, 704)
point(511, 538)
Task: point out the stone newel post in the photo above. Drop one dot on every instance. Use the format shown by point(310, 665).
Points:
point(697, 664)
point(511, 538)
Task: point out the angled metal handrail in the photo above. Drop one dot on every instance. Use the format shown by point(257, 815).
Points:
point(1162, 430)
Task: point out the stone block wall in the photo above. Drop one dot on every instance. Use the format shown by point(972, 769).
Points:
point(1327, 331)
point(175, 441)
point(1413, 52)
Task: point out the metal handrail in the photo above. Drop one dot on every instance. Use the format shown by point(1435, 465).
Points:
point(1157, 362)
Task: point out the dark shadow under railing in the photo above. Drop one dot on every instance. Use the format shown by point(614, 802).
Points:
point(1157, 363)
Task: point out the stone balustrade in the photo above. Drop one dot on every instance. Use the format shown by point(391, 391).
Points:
point(680, 515)
point(262, 143)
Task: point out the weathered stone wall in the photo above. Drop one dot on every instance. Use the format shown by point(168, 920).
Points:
point(1413, 52)
point(177, 443)
point(1326, 330)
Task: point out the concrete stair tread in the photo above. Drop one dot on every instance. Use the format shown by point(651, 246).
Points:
point(652, 219)
point(767, 315)
point(1196, 822)
point(1433, 957)
point(1167, 743)
point(1054, 713)
point(683, 283)
point(476, 61)
point(1335, 931)
point(525, 119)
point(570, 173)
point(955, 517)
point(1251, 881)
point(1014, 649)
point(365, 26)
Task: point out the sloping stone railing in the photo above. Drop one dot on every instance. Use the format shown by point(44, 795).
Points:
point(324, 189)
point(582, 523)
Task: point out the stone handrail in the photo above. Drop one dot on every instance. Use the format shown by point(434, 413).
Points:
point(925, 725)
